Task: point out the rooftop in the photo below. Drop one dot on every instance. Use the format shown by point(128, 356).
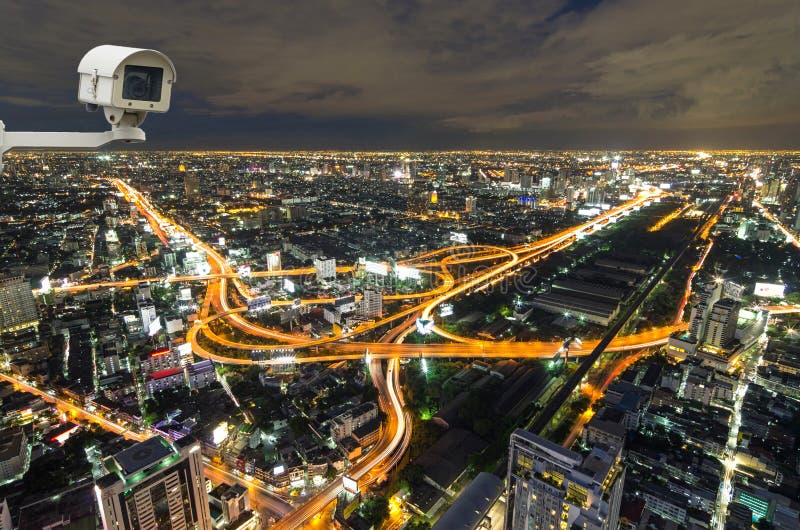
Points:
point(143, 454)
point(165, 373)
point(472, 505)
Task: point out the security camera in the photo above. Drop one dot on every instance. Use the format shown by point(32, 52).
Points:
point(127, 82)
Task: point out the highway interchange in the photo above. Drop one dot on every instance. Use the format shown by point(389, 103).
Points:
point(496, 264)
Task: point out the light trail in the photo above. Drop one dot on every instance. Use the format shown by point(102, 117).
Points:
point(397, 432)
point(790, 237)
point(75, 410)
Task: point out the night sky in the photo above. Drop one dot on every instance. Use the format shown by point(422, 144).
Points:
point(438, 74)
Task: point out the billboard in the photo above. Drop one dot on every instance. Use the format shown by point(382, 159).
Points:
point(288, 285)
point(424, 326)
point(244, 271)
point(458, 237)
point(588, 212)
point(446, 310)
point(769, 290)
point(259, 303)
point(406, 273)
point(349, 484)
point(376, 268)
point(185, 294)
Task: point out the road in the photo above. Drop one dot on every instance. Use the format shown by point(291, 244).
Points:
point(77, 411)
point(396, 434)
point(597, 392)
point(484, 349)
point(517, 257)
point(260, 498)
point(563, 393)
point(790, 237)
point(383, 449)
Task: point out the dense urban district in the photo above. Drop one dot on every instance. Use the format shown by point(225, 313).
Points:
point(455, 340)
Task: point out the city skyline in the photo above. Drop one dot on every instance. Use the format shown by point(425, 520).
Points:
point(400, 265)
point(339, 338)
point(408, 76)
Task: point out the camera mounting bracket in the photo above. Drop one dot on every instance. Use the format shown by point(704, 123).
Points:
point(69, 141)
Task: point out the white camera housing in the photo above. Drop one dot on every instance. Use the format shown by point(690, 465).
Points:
point(127, 82)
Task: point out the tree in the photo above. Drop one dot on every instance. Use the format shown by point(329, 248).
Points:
point(418, 524)
point(330, 473)
point(298, 425)
point(413, 474)
point(375, 510)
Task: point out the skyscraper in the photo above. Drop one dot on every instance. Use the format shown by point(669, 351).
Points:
point(17, 305)
point(553, 488)
point(721, 327)
point(155, 485)
point(526, 181)
point(372, 303)
point(511, 175)
point(191, 183)
point(708, 295)
point(470, 204)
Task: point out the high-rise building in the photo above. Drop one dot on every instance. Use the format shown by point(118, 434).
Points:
point(233, 502)
point(325, 268)
point(372, 303)
point(274, 261)
point(191, 183)
point(770, 190)
point(595, 196)
point(409, 168)
point(147, 312)
point(471, 204)
point(141, 249)
point(708, 295)
point(5, 516)
point(13, 453)
point(721, 326)
point(560, 182)
point(553, 488)
point(511, 175)
point(526, 181)
point(153, 485)
point(17, 305)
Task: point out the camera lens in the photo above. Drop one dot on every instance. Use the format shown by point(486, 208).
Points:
point(142, 83)
point(138, 85)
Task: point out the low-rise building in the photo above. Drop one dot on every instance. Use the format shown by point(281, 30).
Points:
point(344, 424)
point(169, 378)
point(201, 374)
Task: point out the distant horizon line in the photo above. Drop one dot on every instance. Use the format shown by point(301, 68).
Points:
point(13, 153)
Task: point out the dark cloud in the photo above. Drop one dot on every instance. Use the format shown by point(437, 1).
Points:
point(428, 73)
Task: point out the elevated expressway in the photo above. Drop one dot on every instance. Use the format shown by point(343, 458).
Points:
point(497, 265)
